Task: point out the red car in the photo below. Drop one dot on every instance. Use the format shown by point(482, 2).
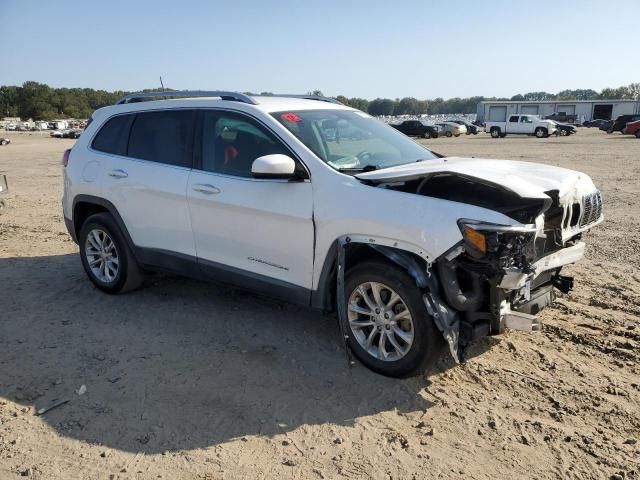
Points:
point(632, 128)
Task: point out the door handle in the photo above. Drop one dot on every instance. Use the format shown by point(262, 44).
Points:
point(118, 173)
point(206, 189)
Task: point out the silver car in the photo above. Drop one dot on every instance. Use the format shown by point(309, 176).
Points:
point(450, 129)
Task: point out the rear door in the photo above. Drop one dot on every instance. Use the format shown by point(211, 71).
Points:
point(256, 232)
point(146, 178)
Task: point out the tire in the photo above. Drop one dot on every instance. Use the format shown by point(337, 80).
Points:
point(609, 130)
point(426, 343)
point(495, 132)
point(426, 134)
point(541, 132)
point(448, 134)
point(102, 228)
point(563, 133)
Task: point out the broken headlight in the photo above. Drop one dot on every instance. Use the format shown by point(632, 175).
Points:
point(501, 241)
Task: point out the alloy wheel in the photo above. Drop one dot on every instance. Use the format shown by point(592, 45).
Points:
point(380, 321)
point(102, 256)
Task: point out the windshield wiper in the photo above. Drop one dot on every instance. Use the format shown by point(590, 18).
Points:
point(366, 168)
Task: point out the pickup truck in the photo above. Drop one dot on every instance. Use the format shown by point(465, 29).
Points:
point(523, 125)
point(562, 117)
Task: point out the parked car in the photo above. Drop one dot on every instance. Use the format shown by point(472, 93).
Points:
point(450, 129)
point(471, 128)
point(606, 125)
point(632, 128)
point(564, 129)
point(522, 125)
point(598, 122)
point(413, 251)
point(562, 117)
point(4, 141)
point(75, 133)
point(620, 122)
point(418, 128)
point(56, 134)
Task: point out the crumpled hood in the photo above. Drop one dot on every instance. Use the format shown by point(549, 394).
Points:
point(528, 180)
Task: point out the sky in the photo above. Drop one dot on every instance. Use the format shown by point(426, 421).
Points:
point(369, 49)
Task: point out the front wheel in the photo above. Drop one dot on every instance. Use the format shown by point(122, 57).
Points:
point(106, 256)
point(541, 132)
point(390, 329)
point(449, 134)
point(426, 134)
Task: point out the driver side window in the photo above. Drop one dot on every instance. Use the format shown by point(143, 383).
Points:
point(231, 142)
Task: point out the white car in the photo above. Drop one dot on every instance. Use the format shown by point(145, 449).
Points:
point(56, 134)
point(522, 125)
point(413, 251)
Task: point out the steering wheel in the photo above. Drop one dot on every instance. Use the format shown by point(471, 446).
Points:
point(364, 157)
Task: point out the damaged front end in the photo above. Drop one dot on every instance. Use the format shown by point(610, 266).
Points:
point(502, 276)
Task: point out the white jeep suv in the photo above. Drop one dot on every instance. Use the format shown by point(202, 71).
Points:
point(318, 203)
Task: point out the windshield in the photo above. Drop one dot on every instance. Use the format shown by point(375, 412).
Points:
point(351, 140)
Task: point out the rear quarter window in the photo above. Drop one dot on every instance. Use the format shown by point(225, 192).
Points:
point(113, 136)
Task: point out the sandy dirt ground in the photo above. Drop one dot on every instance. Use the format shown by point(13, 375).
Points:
point(197, 381)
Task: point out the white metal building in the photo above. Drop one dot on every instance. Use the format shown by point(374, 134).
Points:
point(497, 111)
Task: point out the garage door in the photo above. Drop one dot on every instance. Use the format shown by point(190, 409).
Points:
point(529, 109)
point(498, 114)
point(567, 109)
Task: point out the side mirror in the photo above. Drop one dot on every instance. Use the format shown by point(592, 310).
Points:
point(273, 166)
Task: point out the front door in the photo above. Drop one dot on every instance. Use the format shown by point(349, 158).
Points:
point(256, 232)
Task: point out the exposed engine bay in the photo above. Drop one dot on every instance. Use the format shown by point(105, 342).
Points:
point(501, 276)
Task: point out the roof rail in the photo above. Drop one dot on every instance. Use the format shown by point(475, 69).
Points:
point(137, 97)
point(306, 97)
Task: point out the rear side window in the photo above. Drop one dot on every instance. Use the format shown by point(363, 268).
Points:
point(113, 136)
point(163, 136)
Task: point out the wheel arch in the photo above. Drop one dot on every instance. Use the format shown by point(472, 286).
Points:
point(86, 205)
point(359, 249)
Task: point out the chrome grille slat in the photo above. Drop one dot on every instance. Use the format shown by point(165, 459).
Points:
point(591, 208)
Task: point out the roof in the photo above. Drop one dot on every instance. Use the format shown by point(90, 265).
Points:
point(266, 104)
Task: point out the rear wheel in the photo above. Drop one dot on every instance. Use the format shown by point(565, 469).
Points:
point(106, 256)
point(564, 133)
point(448, 134)
point(495, 132)
point(637, 133)
point(391, 331)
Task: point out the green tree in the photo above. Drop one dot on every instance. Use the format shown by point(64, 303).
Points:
point(381, 106)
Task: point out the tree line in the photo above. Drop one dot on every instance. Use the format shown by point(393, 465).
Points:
point(41, 102)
